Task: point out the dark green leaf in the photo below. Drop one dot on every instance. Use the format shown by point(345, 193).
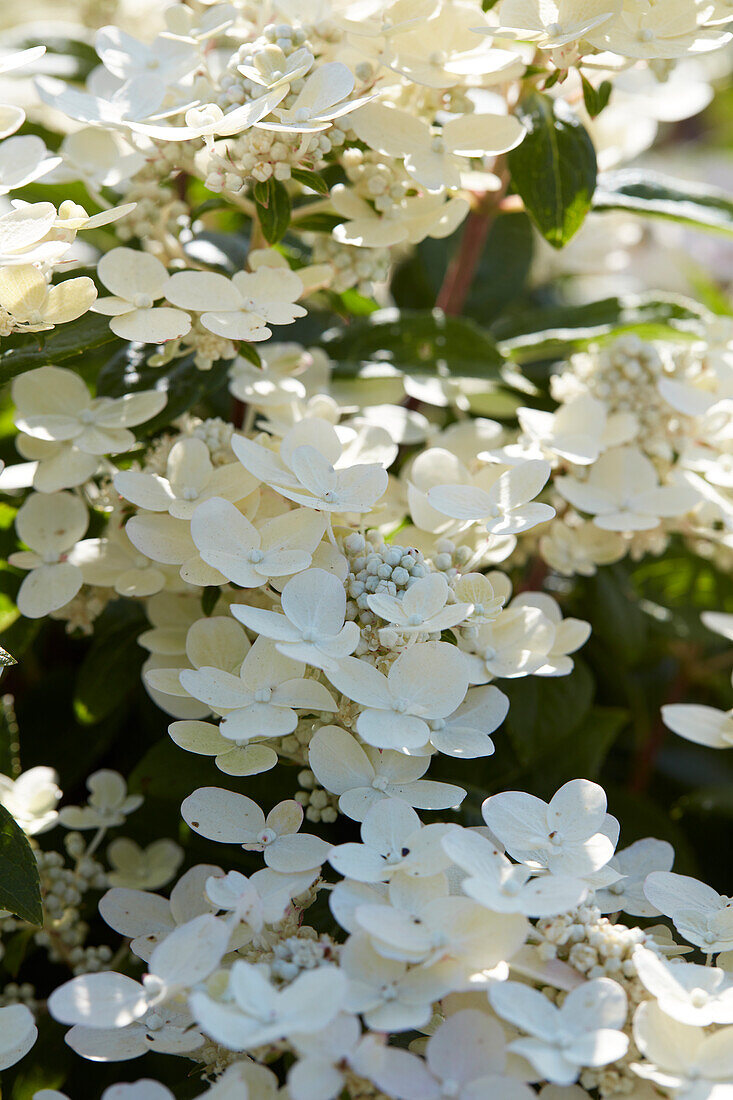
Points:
point(274, 211)
point(6, 659)
point(66, 345)
point(655, 195)
point(209, 597)
point(595, 99)
point(226, 251)
point(111, 669)
point(544, 711)
point(20, 887)
point(249, 351)
point(554, 168)
point(419, 341)
point(181, 379)
point(310, 179)
point(319, 223)
point(557, 331)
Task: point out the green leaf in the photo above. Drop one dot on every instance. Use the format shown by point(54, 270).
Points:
point(318, 223)
point(67, 345)
point(209, 598)
point(544, 711)
point(657, 196)
point(20, 887)
point(557, 331)
point(418, 341)
point(714, 801)
point(185, 384)
point(581, 754)
point(110, 672)
point(554, 168)
point(310, 179)
point(595, 99)
point(273, 210)
point(6, 659)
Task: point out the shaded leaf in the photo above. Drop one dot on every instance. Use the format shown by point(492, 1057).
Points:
point(554, 168)
point(20, 887)
point(658, 196)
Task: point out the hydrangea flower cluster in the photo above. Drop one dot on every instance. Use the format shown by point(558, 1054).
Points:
point(324, 570)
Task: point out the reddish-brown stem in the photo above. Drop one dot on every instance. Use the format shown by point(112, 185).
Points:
point(642, 769)
point(462, 267)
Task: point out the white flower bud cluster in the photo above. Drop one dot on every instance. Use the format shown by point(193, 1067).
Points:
point(319, 804)
point(305, 951)
point(353, 267)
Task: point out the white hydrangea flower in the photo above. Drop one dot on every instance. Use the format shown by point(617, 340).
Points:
point(696, 1064)
point(428, 680)
point(623, 493)
point(143, 868)
point(422, 609)
point(99, 158)
point(231, 818)
point(363, 776)
point(26, 237)
point(551, 24)
point(465, 732)
point(248, 555)
point(204, 738)
point(261, 700)
point(18, 1033)
point(504, 887)
point(137, 280)
point(239, 308)
point(109, 803)
point(51, 525)
point(577, 432)
point(634, 864)
point(584, 1031)
point(312, 628)
point(109, 1000)
point(420, 923)
point(389, 994)
point(146, 919)
point(504, 507)
point(699, 913)
point(571, 835)
point(466, 1057)
point(415, 218)
point(435, 159)
point(163, 1029)
point(393, 842)
point(307, 471)
point(259, 1013)
point(321, 99)
point(692, 994)
point(263, 898)
point(53, 404)
point(23, 160)
point(32, 799)
point(35, 306)
point(191, 479)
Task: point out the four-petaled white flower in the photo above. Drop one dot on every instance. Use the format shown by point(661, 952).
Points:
point(191, 479)
point(138, 280)
point(584, 1031)
point(393, 842)
point(623, 493)
point(428, 680)
point(239, 308)
point(257, 1012)
point(32, 799)
point(571, 835)
point(505, 887)
point(231, 818)
point(505, 508)
point(53, 404)
point(306, 470)
point(692, 994)
point(312, 628)
point(363, 776)
point(696, 1064)
point(34, 305)
point(261, 700)
point(699, 913)
point(108, 805)
point(51, 525)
